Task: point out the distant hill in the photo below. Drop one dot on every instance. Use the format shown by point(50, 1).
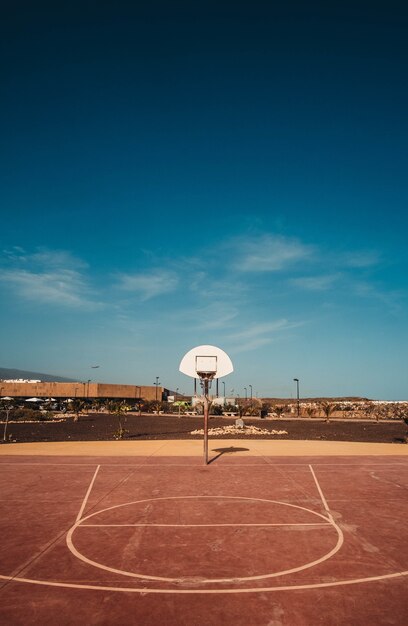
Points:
point(6, 373)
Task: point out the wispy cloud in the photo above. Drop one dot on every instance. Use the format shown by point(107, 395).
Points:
point(47, 277)
point(43, 258)
point(269, 253)
point(218, 287)
point(260, 334)
point(217, 315)
point(149, 285)
point(252, 344)
point(315, 283)
point(361, 259)
point(62, 287)
point(391, 299)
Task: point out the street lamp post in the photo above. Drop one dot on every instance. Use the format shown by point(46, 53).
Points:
point(87, 396)
point(246, 394)
point(157, 386)
point(223, 382)
point(250, 386)
point(296, 380)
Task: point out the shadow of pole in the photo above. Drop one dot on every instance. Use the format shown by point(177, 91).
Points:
point(229, 450)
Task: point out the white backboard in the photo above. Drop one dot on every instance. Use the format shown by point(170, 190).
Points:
point(206, 364)
point(208, 360)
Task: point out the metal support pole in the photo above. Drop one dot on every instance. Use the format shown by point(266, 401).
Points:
point(206, 404)
point(296, 380)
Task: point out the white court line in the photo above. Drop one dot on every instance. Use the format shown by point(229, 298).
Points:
point(235, 579)
point(328, 524)
point(222, 465)
point(81, 510)
point(326, 506)
point(145, 590)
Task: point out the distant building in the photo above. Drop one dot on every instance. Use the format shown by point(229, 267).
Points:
point(19, 380)
point(221, 401)
point(84, 390)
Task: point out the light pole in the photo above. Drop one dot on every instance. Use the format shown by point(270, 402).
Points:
point(157, 386)
point(87, 396)
point(223, 382)
point(296, 380)
point(250, 386)
point(246, 394)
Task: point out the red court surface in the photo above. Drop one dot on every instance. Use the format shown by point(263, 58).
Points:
point(246, 540)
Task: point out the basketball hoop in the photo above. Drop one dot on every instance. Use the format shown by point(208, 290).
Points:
point(206, 363)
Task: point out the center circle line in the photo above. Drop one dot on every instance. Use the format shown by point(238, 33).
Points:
point(178, 580)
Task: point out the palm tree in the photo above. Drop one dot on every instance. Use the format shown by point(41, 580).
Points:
point(96, 405)
point(279, 410)
point(328, 408)
point(7, 407)
point(243, 407)
point(76, 406)
point(310, 411)
point(119, 409)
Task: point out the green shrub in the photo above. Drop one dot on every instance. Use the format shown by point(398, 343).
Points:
point(216, 409)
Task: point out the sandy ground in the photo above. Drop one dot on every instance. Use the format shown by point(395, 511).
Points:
point(241, 447)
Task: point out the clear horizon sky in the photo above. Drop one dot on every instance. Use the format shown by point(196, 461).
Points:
point(230, 173)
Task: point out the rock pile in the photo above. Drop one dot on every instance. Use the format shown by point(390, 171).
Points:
point(234, 430)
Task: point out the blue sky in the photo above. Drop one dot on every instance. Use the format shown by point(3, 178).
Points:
point(234, 174)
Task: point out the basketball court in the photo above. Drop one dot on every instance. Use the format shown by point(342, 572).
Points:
point(267, 533)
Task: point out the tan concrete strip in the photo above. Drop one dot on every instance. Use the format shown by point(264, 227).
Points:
point(260, 447)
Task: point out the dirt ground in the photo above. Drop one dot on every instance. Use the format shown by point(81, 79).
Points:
point(103, 427)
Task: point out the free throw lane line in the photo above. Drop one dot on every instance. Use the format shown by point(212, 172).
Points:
point(325, 505)
point(81, 510)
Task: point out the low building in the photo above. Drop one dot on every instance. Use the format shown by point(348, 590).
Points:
point(83, 390)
